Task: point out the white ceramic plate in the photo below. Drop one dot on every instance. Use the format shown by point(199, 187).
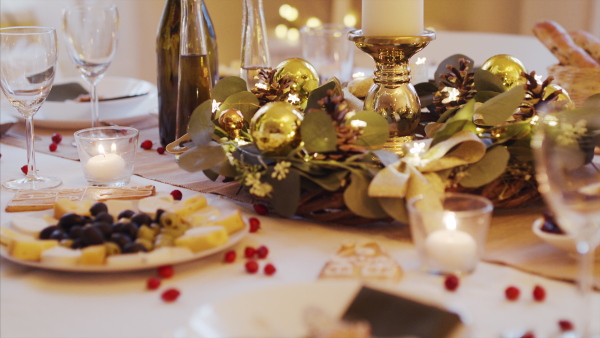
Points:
point(77, 115)
point(561, 241)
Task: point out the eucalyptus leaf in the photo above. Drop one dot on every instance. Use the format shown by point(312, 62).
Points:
point(486, 81)
point(201, 158)
point(213, 176)
point(521, 151)
point(245, 102)
point(462, 120)
point(318, 132)
point(225, 169)
point(201, 127)
point(395, 208)
point(446, 115)
point(386, 157)
point(499, 108)
point(512, 131)
point(321, 92)
point(376, 133)
point(227, 87)
point(357, 199)
point(490, 167)
point(285, 195)
point(452, 60)
point(485, 95)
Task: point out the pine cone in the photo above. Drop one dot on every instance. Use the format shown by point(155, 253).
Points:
point(534, 96)
point(267, 89)
point(459, 79)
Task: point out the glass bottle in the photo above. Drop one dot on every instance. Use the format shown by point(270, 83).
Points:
point(255, 50)
point(167, 55)
point(195, 80)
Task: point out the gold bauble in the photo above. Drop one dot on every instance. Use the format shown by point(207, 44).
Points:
point(506, 67)
point(304, 80)
point(275, 128)
point(563, 96)
point(232, 121)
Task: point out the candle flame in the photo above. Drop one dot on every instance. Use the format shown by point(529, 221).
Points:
point(101, 149)
point(450, 221)
point(421, 61)
point(113, 148)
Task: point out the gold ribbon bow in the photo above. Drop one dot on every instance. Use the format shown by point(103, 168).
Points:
point(415, 173)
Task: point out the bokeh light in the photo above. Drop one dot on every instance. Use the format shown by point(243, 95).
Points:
point(350, 20)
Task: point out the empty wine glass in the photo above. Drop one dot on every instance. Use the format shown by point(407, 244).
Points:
point(568, 174)
point(28, 58)
point(91, 33)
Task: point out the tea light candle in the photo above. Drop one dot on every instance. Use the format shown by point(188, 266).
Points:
point(105, 166)
point(450, 249)
point(392, 17)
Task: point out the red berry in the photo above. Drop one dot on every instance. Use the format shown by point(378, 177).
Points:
point(24, 169)
point(262, 251)
point(230, 256)
point(261, 209)
point(254, 224)
point(251, 266)
point(153, 283)
point(53, 146)
point(146, 145)
point(249, 252)
point(165, 271)
point(565, 325)
point(177, 195)
point(539, 293)
point(528, 334)
point(170, 295)
point(512, 293)
point(451, 282)
point(160, 150)
point(56, 138)
point(269, 269)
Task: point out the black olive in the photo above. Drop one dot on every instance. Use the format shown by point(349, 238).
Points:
point(104, 217)
point(134, 247)
point(92, 236)
point(77, 244)
point(120, 239)
point(68, 220)
point(141, 219)
point(104, 227)
point(159, 213)
point(126, 214)
point(97, 208)
point(59, 234)
point(76, 232)
point(130, 229)
point(47, 231)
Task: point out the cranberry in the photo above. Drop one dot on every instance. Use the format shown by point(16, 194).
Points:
point(165, 271)
point(251, 266)
point(565, 325)
point(249, 252)
point(53, 146)
point(24, 169)
point(262, 251)
point(170, 295)
point(147, 145)
point(160, 150)
point(539, 293)
point(177, 195)
point(56, 138)
point(512, 293)
point(269, 269)
point(254, 224)
point(451, 282)
point(528, 334)
point(261, 209)
point(153, 283)
point(230, 256)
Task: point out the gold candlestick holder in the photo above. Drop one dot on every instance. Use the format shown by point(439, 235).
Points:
point(392, 95)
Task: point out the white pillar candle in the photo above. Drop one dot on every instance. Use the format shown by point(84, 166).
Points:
point(106, 166)
point(450, 250)
point(392, 17)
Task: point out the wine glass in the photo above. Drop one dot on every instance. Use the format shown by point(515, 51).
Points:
point(28, 57)
point(91, 33)
point(568, 174)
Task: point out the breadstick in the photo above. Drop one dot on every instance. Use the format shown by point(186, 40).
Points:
point(558, 41)
point(588, 42)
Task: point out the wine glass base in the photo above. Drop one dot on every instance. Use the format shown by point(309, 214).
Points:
point(32, 183)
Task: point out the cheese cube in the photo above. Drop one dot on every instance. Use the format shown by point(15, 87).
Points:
point(7, 236)
point(232, 221)
point(201, 216)
point(65, 206)
point(203, 238)
point(93, 255)
point(30, 249)
point(60, 255)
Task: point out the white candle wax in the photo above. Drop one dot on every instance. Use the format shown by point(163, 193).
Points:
point(392, 17)
point(105, 166)
point(451, 250)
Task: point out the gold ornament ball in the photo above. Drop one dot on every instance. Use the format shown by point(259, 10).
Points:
point(506, 67)
point(304, 80)
point(275, 128)
point(232, 121)
point(563, 96)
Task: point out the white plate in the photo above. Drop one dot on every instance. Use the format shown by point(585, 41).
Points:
point(77, 115)
point(270, 312)
point(561, 241)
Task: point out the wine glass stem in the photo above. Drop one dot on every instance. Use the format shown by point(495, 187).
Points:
point(586, 274)
point(95, 117)
point(31, 171)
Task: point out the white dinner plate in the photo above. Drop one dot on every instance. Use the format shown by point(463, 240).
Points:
point(77, 115)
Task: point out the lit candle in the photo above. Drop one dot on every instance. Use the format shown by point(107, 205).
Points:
point(105, 166)
point(451, 250)
point(392, 17)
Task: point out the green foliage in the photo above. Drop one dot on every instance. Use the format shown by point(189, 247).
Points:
point(201, 157)
point(357, 199)
point(227, 87)
point(201, 126)
point(490, 167)
point(375, 134)
point(245, 101)
point(318, 132)
point(499, 108)
point(486, 81)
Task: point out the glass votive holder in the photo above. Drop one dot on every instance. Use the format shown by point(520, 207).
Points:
point(107, 154)
point(449, 231)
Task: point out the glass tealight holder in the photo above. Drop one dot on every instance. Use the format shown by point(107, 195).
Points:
point(107, 154)
point(449, 231)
